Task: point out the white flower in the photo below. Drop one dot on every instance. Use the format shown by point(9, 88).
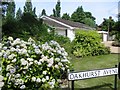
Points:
point(1, 84)
point(39, 63)
point(64, 60)
point(52, 82)
point(9, 67)
point(11, 56)
point(17, 41)
point(30, 63)
point(37, 51)
point(17, 75)
point(58, 51)
point(4, 48)
point(36, 62)
point(43, 80)
point(12, 70)
point(38, 80)
point(12, 49)
point(58, 80)
point(44, 72)
point(10, 38)
point(1, 54)
point(30, 40)
point(19, 82)
point(8, 74)
point(1, 78)
point(23, 51)
point(60, 64)
point(63, 68)
point(22, 87)
point(34, 79)
point(49, 65)
point(57, 59)
point(0, 68)
point(56, 66)
point(23, 61)
point(14, 60)
point(47, 77)
point(30, 59)
point(1, 45)
point(50, 61)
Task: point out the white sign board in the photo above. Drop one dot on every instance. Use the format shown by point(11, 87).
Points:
point(92, 74)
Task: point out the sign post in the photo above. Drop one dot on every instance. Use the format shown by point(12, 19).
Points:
point(72, 76)
point(115, 85)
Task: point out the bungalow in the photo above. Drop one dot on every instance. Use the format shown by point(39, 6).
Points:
point(64, 27)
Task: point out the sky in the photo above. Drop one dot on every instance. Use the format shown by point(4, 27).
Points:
point(99, 8)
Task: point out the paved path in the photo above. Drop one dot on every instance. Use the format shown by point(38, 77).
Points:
point(112, 48)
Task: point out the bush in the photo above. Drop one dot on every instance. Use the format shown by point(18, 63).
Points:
point(31, 65)
point(88, 43)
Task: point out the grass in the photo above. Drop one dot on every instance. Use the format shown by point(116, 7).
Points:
point(91, 63)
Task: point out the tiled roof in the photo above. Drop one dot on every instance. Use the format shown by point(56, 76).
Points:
point(67, 22)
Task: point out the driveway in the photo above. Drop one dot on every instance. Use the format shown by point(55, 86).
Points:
point(113, 49)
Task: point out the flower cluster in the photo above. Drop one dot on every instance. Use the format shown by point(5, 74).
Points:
point(1, 82)
point(30, 65)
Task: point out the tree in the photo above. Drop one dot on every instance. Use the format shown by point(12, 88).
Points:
point(108, 24)
point(58, 8)
point(66, 16)
point(10, 14)
point(43, 12)
point(89, 15)
point(89, 22)
point(56, 11)
point(19, 14)
point(78, 15)
point(28, 8)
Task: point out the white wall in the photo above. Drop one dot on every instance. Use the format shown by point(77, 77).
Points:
point(71, 34)
point(60, 32)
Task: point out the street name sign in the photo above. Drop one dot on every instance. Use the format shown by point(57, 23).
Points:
point(92, 74)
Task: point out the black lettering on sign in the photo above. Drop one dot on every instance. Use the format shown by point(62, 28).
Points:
point(105, 72)
point(71, 76)
point(76, 77)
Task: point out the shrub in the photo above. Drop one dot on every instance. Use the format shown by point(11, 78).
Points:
point(32, 65)
point(88, 43)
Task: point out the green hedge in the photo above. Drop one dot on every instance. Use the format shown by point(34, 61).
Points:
point(88, 43)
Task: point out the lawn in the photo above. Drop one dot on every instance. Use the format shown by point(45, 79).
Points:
point(91, 63)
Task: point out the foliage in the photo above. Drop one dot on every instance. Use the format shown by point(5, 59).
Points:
point(56, 11)
point(78, 15)
point(28, 8)
point(66, 16)
point(24, 27)
point(32, 65)
point(10, 14)
point(83, 17)
point(108, 24)
point(88, 43)
point(89, 22)
point(19, 14)
point(43, 12)
point(117, 31)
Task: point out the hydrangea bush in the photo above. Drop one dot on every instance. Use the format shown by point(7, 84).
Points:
point(31, 65)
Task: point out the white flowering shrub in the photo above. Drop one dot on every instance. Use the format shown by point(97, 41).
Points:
point(31, 65)
point(1, 81)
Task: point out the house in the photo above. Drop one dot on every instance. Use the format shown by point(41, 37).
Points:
point(64, 27)
point(104, 35)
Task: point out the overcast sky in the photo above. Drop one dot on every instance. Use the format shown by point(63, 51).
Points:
point(99, 8)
